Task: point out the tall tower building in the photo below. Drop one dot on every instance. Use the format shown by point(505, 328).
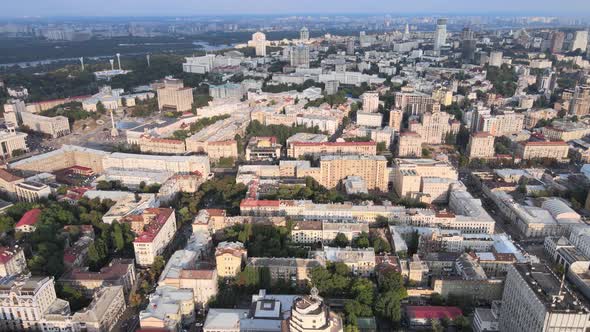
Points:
point(300, 56)
point(580, 40)
point(350, 46)
point(406, 35)
point(259, 42)
point(304, 34)
point(468, 45)
point(557, 39)
point(440, 35)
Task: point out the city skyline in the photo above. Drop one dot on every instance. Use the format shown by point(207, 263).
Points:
point(32, 8)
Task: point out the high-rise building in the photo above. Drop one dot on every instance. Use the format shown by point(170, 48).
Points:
point(580, 41)
point(373, 169)
point(496, 59)
point(370, 102)
point(300, 56)
point(536, 300)
point(557, 39)
point(350, 46)
point(440, 35)
point(304, 34)
point(395, 119)
point(468, 45)
point(259, 42)
point(406, 34)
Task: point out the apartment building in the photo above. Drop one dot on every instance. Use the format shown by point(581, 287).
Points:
point(12, 261)
point(156, 235)
point(287, 269)
point(373, 169)
point(313, 231)
point(532, 117)
point(415, 178)
point(103, 313)
point(169, 309)
point(370, 102)
point(229, 257)
point(503, 124)
point(298, 150)
point(481, 145)
point(415, 103)
point(433, 127)
point(119, 272)
point(148, 144)
point(360, 261)
point(566, 131)
point(172, 95)
point(409, 145)
point(534, 300)
point(263, 148)
point(532, 150)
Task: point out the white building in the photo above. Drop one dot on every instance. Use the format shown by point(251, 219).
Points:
point(155, 238)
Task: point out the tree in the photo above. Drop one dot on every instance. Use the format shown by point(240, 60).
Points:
point(157, 267)
point(340, 240)
point(380, 245)
point(362, 241)
point(117, 237)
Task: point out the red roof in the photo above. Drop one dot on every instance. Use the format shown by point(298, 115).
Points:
point(369, 143)
point(30, 218)
point(8, 177)
point(216, 212)
point(154, 227)
point(433, 312)
point(6, 254)
point(259, 203)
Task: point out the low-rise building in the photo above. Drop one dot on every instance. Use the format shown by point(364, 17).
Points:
point(553, 150)
point(360, 261)
point(31, 191)
point(119, 272)
point(103, 313)
point(291, 270)
point(12, 143)
point(263, 148)
point(169, 308)
point(27, 223)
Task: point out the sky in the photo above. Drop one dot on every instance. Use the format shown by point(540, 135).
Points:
point(27, 8)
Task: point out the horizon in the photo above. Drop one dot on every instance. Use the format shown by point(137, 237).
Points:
point(31, 9)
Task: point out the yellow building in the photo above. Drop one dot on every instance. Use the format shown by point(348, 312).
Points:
point(300, 149)
point(174, 96)
point(229, 257)
point(409, 144)
point(481, 145)
point(373, 169)
point(553, 150)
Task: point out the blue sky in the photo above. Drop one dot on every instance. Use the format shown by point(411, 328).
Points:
point(21, 8)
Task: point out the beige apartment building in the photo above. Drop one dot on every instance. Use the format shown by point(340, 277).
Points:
point(229, 257)
point(433, 127)
point(553, 150)
point(481, 145)
point(415, 103)
point(53, 126)
point(566, 131)
point(373, 169)
point(533, 117)
point(174, 96)
point(370, 102)
point(415, 177)
point(409, 145)
point(301, 149)
point(395, 119)
point(148, 144)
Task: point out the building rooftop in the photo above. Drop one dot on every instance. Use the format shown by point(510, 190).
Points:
point(30, 218)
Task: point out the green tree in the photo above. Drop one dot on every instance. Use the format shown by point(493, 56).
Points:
point(340, 240)
point(362, 241)
point(381, 245)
